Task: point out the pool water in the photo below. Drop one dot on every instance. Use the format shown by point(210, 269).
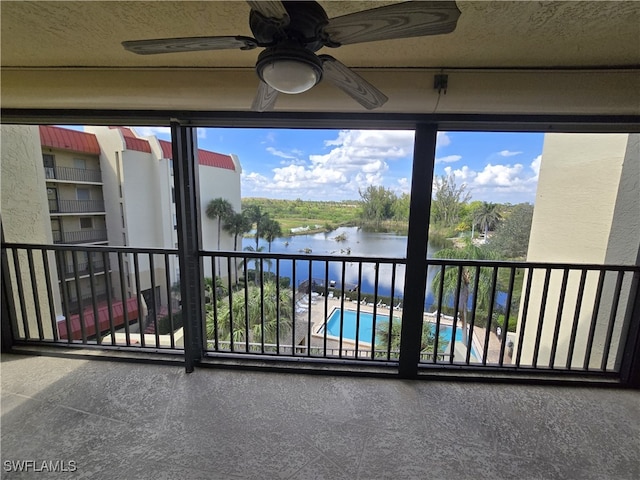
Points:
point(365, 327)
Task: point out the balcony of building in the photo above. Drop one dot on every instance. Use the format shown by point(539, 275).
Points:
point(85, 207)
point(520, 327)
point(82, 236)
point(73, 175)
point(109, 419)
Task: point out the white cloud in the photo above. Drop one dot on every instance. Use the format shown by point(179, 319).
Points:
point(449, 159)
point(508, 153)
point(280, 153)
point(442, 140)
point(404, 186)
point(535, 165)
point(355, 160)
point(499, 182)
point(164, 132)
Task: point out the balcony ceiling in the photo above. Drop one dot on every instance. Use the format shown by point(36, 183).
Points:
point(80, 37)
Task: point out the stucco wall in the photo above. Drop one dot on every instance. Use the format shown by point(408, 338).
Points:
point(580, 198)
point(25, 218)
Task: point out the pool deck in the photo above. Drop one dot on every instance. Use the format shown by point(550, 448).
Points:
point(318, 315)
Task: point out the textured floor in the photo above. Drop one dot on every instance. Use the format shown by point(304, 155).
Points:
point(137, 421)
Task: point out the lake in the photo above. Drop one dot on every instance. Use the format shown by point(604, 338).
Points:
point(357, 242)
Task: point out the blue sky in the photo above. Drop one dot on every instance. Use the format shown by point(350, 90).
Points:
point(335, 164)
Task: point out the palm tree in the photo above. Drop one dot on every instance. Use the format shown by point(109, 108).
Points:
point(467, 280)
point(384, 337)
point(486, 217)
point(258, 217)
point(270, 231)
point(237, 224)
point(256, 262)
point(261, 316)
point(219, 209)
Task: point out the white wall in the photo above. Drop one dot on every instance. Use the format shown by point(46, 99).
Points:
point(587, 185)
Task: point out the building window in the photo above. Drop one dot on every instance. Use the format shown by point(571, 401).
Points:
point(86, 222)
point(118, 172)
point(170, 167)
point(49, 165)
point(173, 195)
point(80, 163)
point(83, 194)
point(122, 215)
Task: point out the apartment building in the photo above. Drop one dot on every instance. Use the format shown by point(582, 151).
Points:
point(109, 186)
point(75, 201)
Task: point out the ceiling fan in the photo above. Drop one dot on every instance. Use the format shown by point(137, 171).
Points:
point(292, 31)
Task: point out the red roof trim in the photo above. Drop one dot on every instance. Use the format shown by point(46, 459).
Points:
point(71, 140)
point(205, 157)
point(103, 319)
point(138, 144)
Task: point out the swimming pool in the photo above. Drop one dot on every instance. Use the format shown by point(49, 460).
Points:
point(365, 327)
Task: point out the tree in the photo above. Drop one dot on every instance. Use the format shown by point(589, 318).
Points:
point(219, 209)
point(262, 315)
point(448, 198)
point(511, 238)
point(384, 337)
point(467, 280)
point(401, 207)
point(237, 224)
point(271, 230)
point(486, 217)
point(377, 204)
point(256, 216)
point(256, 262)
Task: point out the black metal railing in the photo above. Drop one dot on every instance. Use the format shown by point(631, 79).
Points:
point(81, 236)
point(73, 174)
point(76, 206)
point(84, 268)
point(513, 317)
point(115, 309)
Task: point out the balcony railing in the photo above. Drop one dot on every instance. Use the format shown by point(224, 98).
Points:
point(73, 174)
point(479, 317)
point(82, 236)
point(84, 268)
point(76, 206)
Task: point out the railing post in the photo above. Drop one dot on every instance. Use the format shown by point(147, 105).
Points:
point(185, 161)
point(630, 363)
point(8, 318)
point(415, 282)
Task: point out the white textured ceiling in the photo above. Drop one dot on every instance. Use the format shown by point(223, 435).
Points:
point(76, 49)
point(489, 34)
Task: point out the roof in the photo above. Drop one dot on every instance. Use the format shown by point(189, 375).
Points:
point(132, 142)
point(117, 312)
point(72, 140)
point(205, 157)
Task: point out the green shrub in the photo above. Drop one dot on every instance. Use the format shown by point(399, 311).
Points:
point(164, 325)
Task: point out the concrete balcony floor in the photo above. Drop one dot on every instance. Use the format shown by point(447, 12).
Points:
point(136, 421)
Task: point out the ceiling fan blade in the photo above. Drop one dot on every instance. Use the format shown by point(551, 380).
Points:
point(351, 83)
point(273, 10)
point(188, 44)
point(265, 98)
point(400, 20)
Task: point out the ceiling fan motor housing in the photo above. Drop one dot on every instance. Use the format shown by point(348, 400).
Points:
point(307, 19)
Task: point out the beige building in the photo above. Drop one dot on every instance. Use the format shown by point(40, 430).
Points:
point(98, 187)
point(587, 211)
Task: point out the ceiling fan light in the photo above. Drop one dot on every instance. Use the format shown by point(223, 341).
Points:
point(289, 68)
point(290, 76)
